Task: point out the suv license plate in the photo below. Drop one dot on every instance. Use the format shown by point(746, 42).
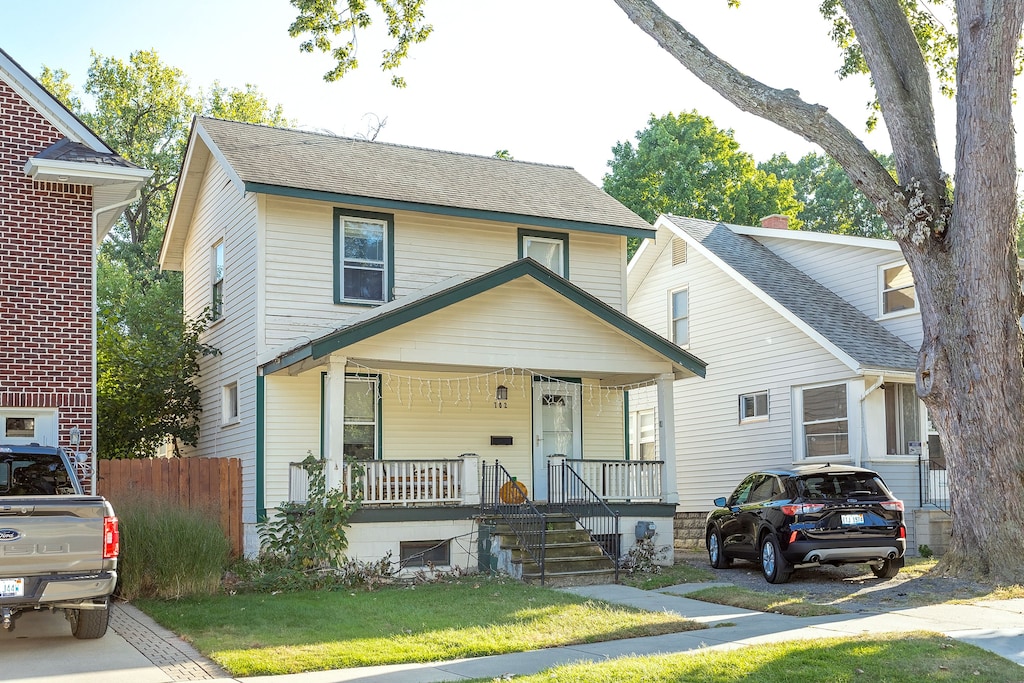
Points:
point(852, 520)
point(12, 588)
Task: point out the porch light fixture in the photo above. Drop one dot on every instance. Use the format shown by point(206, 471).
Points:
point(501, 396)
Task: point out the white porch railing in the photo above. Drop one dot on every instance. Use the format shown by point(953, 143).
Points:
point(625, 480)
point(402, 482)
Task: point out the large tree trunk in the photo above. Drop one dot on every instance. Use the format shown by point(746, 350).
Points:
point(961, 251)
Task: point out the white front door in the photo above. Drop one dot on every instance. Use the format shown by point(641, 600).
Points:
point(557, 428)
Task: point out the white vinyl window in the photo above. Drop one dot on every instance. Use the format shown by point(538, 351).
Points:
point(754, 407)
point(825, 423)
point(363, 259)
point(680, 316)
point(217, 276)
point(362, 418)
point(547, 249)
point(902, 420)
point(644, 435)
point(229, 403)
point(896, 289)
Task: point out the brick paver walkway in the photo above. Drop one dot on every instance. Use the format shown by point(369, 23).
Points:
point(175, 657)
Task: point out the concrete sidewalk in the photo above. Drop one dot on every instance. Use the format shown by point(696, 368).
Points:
point(997, 626)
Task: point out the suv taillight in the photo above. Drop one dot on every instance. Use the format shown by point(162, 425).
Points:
point(111, 538)
point(805, 509)
point(894, 505)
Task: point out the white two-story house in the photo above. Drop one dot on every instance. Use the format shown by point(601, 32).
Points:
point(811, 342)
point(442, 320)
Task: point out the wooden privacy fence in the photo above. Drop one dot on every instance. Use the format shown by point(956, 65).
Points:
point(213, 484)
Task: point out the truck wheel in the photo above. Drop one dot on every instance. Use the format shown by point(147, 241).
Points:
point(87, 624)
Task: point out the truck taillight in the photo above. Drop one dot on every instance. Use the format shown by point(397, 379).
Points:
point(894, 505)
point(111, 538)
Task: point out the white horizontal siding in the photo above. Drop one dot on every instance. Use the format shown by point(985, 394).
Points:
point(292, 428)
point(604, 430)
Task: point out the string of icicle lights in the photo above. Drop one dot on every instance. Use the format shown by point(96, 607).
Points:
point(469, 391)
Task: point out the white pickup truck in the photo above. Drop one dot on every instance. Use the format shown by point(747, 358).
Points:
point(58, 547)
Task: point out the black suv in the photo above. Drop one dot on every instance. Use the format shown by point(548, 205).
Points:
point(807, 516)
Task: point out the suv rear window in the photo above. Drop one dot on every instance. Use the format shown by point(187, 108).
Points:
point(841, 485)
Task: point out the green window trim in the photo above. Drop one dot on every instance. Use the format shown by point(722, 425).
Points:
point(389, 256)
point(562, 237)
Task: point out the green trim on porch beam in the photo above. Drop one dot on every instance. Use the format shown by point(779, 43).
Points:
point(414, 514)
point(517, 269)
point(261, 454)
point(498, 216)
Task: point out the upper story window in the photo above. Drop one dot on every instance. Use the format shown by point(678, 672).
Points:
point(825, 423)
point(217, 276)
point(896, 289)
point(680, 314)
point(754, 407)
point(550, 249)
point(363, 255)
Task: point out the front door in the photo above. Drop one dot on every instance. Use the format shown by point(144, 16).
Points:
point(557, 428)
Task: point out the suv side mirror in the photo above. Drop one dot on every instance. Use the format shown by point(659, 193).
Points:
point(720, 502)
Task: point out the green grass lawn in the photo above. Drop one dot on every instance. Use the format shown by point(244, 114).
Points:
point(886, 658)
point(668, 576)
point(261, 634)
point(762, 602)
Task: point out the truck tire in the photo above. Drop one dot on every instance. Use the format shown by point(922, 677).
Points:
point(87, 624)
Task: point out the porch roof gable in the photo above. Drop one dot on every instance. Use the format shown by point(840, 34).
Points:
point(431, 300)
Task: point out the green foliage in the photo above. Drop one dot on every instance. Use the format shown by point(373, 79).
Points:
point(168, 551)
point(323, 21)
point(830, 201)
point(310, 536)
point(925, 551)
point(686, 166)
point(147, 354)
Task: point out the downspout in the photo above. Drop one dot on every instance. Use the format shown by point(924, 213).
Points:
point(862, 454)
point(95, 373)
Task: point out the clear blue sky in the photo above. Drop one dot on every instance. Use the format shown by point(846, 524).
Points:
point(554, 81)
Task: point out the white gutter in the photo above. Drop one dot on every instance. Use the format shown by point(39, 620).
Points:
point(95, 373)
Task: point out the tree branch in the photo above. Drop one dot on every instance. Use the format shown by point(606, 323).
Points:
point(782, 107)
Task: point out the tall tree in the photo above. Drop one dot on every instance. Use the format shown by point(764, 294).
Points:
point(960, 242)
point(685, 165)
point(147, 354)
point(830, 201)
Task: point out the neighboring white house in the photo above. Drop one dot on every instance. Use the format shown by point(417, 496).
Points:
point(423, 312)
point(811, 343)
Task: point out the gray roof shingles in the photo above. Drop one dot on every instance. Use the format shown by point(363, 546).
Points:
point(325, 163)
point(68, 150)
point(834, 318)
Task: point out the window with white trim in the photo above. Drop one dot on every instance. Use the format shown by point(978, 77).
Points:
point(754, 407)
point(897, 293)
point(362, 418)
point(229, 403)
point(550, 249)
point(679, 311)
point(902, 419)
point(362, 246)
point(825, 423)
point(217, 276)
point(644, 435)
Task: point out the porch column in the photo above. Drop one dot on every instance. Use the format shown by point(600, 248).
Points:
point(334, 422)
point(667, 437)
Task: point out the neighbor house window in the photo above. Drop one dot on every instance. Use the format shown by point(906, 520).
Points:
point(680, 312)
point(362, 413)
point(754, 407)
point(644, 435)
point(229, 403)
point(826, 429)
point(20, 427)
point(363, 251)
point(902, 420)
point(897, 289)
point(550, 249)
point(217, 297)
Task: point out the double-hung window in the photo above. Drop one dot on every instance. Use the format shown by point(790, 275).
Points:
point(680, 314)
point(363, 251)
point(362, 418)
point(217, 295)
point(550, 249)
point(644, 435)
point(896, 289)
point(902, 420)
point(825, 424)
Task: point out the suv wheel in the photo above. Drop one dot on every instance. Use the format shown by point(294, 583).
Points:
point(773, 565)
point(887, 569)
point(716, 557)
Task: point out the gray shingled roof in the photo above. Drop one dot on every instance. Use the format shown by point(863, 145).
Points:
point(68, 150)
point(834, 318)
point(325, 163)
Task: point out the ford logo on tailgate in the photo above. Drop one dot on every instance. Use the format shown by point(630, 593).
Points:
point(9, 534)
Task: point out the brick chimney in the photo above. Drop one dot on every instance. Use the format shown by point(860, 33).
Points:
point(776, 221)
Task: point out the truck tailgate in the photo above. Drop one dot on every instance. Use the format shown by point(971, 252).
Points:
point(47, 535)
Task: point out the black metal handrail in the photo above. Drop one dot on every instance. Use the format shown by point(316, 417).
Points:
point(574, 497)
point(933, 484)
point(504, 496)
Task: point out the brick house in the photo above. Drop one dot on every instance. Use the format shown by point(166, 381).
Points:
point(61, 189)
